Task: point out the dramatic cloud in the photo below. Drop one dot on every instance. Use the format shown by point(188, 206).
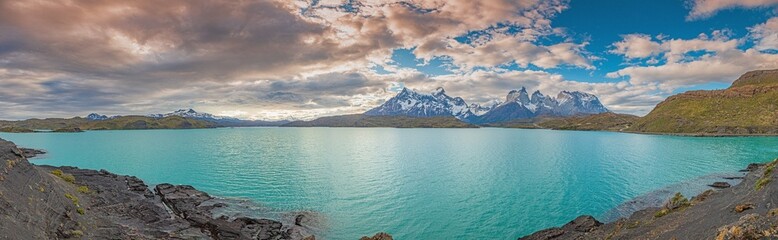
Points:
point(706, 8)
point(277, 59)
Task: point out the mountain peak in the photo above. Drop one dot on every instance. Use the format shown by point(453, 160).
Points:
point(439, 91)
point(96, 117)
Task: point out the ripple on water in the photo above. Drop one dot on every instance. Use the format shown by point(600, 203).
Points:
point(414, 183)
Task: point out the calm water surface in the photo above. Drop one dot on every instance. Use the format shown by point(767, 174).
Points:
point(412, 183)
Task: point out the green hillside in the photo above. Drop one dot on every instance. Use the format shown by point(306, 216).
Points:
point(604, 121)
point(749, 106)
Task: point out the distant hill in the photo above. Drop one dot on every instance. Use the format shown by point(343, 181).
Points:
point(115, 123)
point(360, 120)
point(608, 121)
point(749, 106)
point(605, 121)
point(219, 121)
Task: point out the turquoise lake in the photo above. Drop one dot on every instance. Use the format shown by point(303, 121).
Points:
point(413, 183)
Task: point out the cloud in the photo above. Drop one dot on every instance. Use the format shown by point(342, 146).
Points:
point(706, 8)
point(766, 35)
point(636, 46)
point(689, 62)
point(261, 58)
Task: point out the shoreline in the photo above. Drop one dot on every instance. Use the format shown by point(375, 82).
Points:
point(47, 202)
point(700, 135)
point(742, 211)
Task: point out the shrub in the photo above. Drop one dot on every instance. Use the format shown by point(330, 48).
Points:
point(57, 172)
point(661, 213)
point(765, 179)
point(83, 189)
point(72, 198)
point(80, 211)
point(76, 233)
point(68, 178)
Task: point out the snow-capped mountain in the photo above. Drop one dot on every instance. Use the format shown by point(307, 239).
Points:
point(220, 121)
point(191, 113)
point(518, 104)
point(411, 103)
point(96, 117)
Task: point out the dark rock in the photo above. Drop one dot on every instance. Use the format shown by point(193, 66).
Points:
point(187, 202)
point(752, 167)
point(720, 185)
point(578, 227)
point(31, 153)
point(584, 223)
point(378, 236)
point(733, 178)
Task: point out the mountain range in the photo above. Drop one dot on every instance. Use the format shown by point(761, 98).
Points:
point(219, 121)
point(518, 105)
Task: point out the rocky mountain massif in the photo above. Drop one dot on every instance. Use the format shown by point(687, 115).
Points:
point(361, 120)
point(749, 106)
point(218, 121)
point(748, 210)
point(518, 105)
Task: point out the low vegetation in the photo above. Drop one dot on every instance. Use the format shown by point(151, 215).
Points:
point(766, 175)
point(72, 198)
point(64, 176)
point(677, 202)
point(83, 189)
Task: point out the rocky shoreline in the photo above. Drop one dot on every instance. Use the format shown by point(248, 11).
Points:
point(45, 202)
point(748, 210)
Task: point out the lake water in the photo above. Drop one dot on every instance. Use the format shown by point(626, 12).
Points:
point(413, 183)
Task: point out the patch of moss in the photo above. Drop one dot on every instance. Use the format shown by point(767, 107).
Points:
point(83, 189)
point(80, 211)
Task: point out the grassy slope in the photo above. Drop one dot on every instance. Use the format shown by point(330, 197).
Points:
point(749, 106)
point(359, 120)
point(604, 121)
point(120, 123)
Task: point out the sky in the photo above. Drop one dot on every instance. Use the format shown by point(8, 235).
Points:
point(301, 59)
